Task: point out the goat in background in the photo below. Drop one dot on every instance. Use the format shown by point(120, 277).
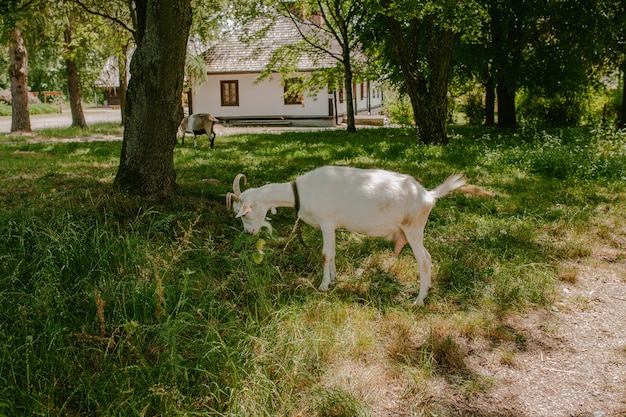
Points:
point(199, 124)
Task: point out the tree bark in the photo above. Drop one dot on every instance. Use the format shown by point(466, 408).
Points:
point(122, 66)
point(507, 117)
point(18, 73)
point(622, 118)
point(153, 105)
point(349, 96)
point(71, 71)
point(427, 89)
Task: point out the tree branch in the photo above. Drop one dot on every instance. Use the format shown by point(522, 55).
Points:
point(109, 17)
point(306, 39)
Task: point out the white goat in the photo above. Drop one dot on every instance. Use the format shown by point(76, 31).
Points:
point(370, 201)
point(199, 124)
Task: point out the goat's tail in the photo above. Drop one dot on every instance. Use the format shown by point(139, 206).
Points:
point(453, 182)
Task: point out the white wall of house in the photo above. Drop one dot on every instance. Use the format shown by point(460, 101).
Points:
point(265, 99)
point(262, 99)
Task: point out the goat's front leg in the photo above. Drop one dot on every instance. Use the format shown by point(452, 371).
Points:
point(328, 253)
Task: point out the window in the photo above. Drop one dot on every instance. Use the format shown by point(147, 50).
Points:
point(230, 93)
point(292, 94)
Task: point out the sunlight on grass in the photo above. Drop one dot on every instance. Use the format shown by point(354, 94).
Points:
point(112, 304)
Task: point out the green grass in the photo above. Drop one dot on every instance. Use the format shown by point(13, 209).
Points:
point(39, 108)
point(113, 305)
point(96, 129)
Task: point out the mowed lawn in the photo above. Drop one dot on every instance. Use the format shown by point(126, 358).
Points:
point(116, 305)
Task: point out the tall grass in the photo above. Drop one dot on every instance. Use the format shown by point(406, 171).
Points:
point(113, 305)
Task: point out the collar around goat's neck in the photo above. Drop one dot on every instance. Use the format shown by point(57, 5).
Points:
point(296, 196)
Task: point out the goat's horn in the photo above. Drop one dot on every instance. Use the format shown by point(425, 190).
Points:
point(236, 187)
point(229, 198)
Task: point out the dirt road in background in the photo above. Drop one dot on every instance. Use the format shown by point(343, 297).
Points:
point(107, 115)
point(44, 121)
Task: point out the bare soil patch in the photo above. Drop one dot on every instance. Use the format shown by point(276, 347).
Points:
point(573, 359)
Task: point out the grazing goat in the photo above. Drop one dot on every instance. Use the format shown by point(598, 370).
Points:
point(374, 202)
point(199, 124)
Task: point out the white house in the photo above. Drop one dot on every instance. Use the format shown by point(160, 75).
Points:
point(233, 94)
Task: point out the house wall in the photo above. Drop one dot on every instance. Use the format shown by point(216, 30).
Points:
point(262, 99)
point(265, 100)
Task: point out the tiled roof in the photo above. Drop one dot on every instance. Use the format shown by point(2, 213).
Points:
point(234, 54)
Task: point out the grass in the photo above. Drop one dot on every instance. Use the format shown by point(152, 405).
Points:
point(113, 305)
point(38, 108)
point(96, 129)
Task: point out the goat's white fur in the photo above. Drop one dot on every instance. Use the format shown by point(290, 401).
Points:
point(374, 202)
point(198, 124)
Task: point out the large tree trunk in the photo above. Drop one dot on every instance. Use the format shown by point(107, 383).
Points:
point(153, 105)
point(507, 117)
point(18, 72)
point(428, 89)
point(506, 44)
point(71, 71)
point(432, 111)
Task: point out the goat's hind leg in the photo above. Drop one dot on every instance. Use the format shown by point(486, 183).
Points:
point(212, 139)
point(416, 240)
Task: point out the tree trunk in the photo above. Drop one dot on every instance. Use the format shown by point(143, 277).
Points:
point(18, 72)
point(71, 71)
point(433, 102)
point(122, 66)
point(490, 102)
point(349, 95)
point(428, 89)
point(153, 106)
point(622, 118)
point(506, 104)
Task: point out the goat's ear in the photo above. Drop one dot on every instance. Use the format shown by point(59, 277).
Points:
point(243, 211)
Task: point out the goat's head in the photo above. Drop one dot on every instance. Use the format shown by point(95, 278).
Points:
point(246, 207)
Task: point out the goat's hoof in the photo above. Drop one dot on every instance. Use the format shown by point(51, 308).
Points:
point(323, 287)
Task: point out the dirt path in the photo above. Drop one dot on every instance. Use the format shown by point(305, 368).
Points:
point(574, 359)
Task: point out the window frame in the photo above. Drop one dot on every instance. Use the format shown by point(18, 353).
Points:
point(294, 98)
point(226, 96)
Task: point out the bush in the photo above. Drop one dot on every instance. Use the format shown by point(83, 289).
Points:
point(398, 107)
point(474, 109)
point(560, 110)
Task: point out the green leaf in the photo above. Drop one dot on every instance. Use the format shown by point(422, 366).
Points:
point(257, 257)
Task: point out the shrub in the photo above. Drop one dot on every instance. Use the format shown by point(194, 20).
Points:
point(474, 109)
point(398, 107)
point(560, 110)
